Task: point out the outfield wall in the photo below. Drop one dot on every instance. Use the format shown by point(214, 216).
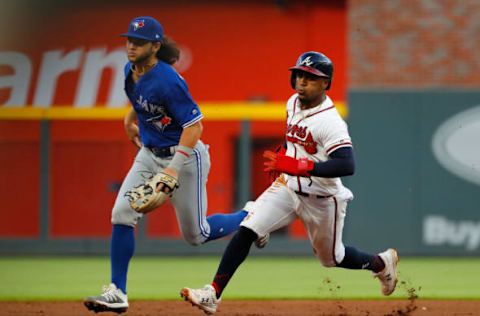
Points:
point(416, 186)
point(62, 103)
point(417, 183)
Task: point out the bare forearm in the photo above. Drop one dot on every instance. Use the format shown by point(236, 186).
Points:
point(188, 140)
point(191, 135)
point(131, 128)
point(130, 118)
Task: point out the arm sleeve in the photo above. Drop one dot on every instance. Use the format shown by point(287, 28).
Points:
point(340, 164)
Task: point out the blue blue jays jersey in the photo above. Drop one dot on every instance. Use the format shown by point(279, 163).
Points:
point(163, 105)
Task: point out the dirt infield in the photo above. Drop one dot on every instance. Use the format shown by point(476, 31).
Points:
point(258, 308)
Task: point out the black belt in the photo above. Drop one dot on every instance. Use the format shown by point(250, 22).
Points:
point(163, 152)
point(317, 196)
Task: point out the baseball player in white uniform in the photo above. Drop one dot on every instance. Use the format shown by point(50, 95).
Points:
point(317, 152)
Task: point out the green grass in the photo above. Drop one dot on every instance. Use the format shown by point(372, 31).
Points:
point(72, 278)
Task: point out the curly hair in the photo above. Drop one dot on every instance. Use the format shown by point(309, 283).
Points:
point(169, 51)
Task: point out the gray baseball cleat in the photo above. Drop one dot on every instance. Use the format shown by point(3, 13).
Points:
point(111, 300)
point(388, 276)
point(204, 298)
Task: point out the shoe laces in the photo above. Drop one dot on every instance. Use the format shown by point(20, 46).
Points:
point(109, 292)
point(207, 291)
point(384, 277)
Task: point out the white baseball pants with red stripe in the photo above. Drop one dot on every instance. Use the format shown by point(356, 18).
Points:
point(323, 218)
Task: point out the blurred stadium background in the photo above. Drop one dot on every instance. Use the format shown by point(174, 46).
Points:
point(406, 79)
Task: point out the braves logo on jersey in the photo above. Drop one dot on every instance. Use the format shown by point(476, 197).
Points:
point(300, 135)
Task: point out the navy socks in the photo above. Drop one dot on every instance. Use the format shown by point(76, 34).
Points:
point(355, 259)
point(235, 253)
point(122, 247)
point(224, 224)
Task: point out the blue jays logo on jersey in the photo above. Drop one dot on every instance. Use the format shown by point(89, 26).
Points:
point(160, 122)
point(300, 135)
point(151, 108)
point(159, 118)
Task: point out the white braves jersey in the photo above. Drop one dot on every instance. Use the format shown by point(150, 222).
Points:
point(315, 133)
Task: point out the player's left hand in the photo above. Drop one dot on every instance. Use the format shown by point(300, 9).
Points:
point(281, 163)
point(153, 193)
point(166, 186)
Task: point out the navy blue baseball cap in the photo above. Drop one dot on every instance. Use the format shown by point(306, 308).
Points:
point(146, 28)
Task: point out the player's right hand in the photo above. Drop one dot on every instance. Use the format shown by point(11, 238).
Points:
point(133, 134)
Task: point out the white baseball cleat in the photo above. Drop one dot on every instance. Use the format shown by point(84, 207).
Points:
point(204, 298)
point(111, 300)
point(388, 276)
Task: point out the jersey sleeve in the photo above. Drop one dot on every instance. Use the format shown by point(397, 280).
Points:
point(181, 105)
point(334, 135)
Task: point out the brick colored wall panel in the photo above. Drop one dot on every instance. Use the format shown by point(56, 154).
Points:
point(417, 44)
point(19, 179)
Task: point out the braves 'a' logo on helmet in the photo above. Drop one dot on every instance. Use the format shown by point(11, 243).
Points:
point(307, 61)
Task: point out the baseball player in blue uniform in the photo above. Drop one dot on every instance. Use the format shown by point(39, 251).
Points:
point(165, 124)
point(317, 152)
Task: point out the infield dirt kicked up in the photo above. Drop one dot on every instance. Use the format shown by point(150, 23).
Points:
point(258, 308)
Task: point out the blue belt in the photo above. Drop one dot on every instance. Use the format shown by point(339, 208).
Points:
point(163, 152)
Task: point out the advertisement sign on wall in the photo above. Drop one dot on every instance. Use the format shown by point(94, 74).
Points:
point(418, 177)
point(229, 52)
